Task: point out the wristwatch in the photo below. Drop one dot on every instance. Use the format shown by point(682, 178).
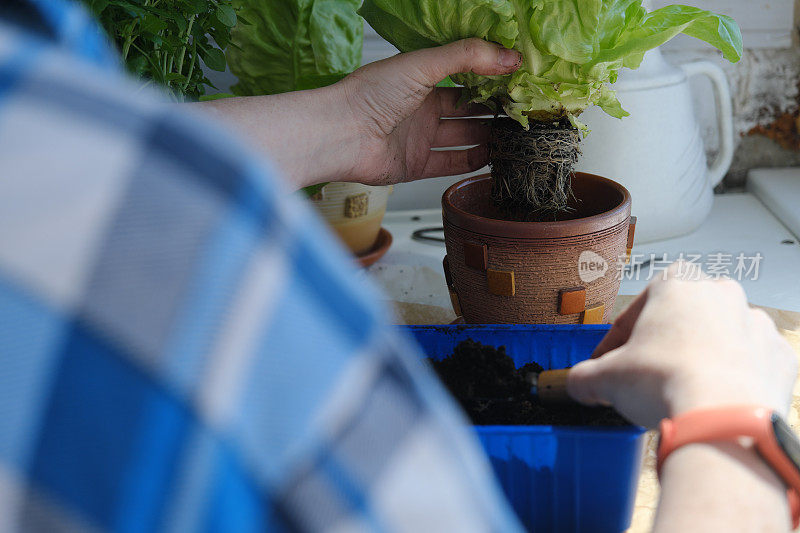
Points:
point(772, 437)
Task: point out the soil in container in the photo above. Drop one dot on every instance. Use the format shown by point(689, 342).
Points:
point(494, 392)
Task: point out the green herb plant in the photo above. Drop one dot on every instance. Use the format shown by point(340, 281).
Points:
point(163, 41)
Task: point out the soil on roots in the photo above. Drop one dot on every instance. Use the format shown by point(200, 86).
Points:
point(532, 170)
point(493, 391)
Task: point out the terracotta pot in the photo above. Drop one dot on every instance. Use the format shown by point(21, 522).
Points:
point(354, 211)
point(561, 272)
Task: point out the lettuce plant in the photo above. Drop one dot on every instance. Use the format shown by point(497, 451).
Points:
point(572, 49)
point(291, 45)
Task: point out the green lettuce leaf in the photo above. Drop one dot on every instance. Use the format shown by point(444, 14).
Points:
point(290, 45)
point(411, 25)
point(572, 49)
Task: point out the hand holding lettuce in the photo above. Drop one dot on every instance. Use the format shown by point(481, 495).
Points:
point(571, 49)
point(287, 46)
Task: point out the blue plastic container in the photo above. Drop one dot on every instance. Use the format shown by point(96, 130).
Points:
point(560, 479)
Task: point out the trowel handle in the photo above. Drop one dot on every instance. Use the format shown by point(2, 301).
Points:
point(552, 386)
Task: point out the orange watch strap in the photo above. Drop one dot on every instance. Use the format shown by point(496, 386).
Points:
point(729, 424)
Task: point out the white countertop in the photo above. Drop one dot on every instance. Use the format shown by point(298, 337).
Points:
point(739, 225)
point(779, 190)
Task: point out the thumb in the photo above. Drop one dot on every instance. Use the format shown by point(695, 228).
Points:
point(468, 55)
point(588, 382)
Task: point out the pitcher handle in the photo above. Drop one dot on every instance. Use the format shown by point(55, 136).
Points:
point(722, 94)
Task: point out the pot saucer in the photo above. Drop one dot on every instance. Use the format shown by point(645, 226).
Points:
point(377, 251)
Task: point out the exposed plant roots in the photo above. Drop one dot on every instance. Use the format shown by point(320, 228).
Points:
point(532, 170)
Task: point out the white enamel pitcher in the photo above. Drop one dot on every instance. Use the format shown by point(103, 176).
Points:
point(657, 153)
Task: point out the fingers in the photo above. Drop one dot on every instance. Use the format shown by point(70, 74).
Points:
point(683, 271)
point(679, 271)
point(449, 99)
point(454, 162)
point(588, 384)
point(468, 55)
point(620, 332)
point(763, 320)
point(781, 347)
point(461, 132)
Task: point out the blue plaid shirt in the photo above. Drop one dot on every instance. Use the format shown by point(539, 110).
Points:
point(182, 344)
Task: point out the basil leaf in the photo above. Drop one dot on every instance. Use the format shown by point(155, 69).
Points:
point(226, 15)
point(214, 59)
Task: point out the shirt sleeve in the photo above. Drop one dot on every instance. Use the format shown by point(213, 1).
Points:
point(184, 344)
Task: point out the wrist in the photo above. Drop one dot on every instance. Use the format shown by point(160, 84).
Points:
point(313, 139)
point(728, 460)
point(715, 455)
point(704, 484)
point(739, 444)
point(687, 394)
point(338, 133)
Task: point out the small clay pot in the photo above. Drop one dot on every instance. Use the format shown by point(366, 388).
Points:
point(565, 271)
point(354, 211)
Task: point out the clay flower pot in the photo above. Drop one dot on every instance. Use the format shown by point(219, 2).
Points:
point(354, 211)
point(557, 272)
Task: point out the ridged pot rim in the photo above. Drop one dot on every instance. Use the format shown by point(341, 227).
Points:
point(536, 230)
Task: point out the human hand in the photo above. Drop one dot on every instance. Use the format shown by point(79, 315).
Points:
point(684, 345)
point(377, 125)
point(398, 113)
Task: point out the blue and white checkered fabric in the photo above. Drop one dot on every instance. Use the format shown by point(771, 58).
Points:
point(182, 345)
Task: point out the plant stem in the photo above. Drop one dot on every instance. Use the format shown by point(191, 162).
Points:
point(191, 67)
point(129, 38)
point(182, 53)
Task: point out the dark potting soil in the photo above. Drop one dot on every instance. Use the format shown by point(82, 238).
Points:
point(493, 391)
